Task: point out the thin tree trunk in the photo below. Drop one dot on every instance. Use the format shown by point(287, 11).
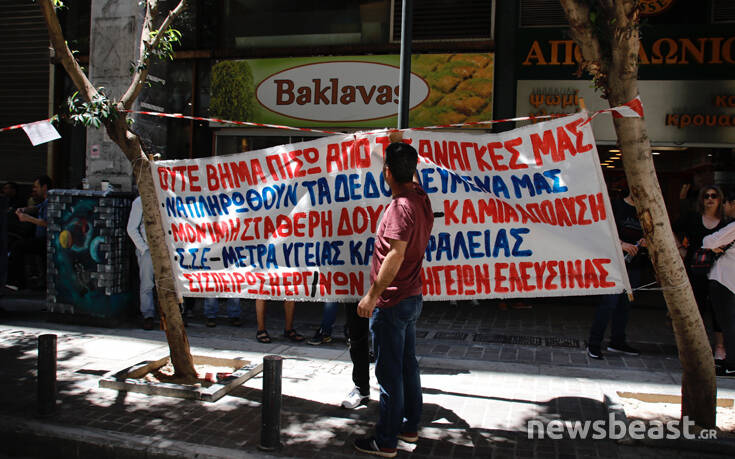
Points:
point(610, 51)
point(129, 143)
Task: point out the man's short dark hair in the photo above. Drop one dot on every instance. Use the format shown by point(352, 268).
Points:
point(44, 180)
point(401, 159)
point(729, 193)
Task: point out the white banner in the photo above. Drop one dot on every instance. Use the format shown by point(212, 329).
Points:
point(524, 213)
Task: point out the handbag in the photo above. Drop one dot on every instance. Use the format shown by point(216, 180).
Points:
point(703, 260)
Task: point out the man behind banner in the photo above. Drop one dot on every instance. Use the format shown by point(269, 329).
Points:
point(394, 301)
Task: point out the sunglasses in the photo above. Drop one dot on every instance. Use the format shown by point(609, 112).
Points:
point(711, 196)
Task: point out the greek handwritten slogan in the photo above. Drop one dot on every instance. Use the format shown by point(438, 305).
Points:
point(524, 213)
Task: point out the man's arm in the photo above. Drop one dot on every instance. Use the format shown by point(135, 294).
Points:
point(136, 214)
point(24, 217)
point(388, 270)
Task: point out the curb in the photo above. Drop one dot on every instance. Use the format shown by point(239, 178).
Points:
point(21, 437)
point(723, 444)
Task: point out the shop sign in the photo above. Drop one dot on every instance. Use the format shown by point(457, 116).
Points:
point(676, 112)
point(664, 53)
point(359, 91)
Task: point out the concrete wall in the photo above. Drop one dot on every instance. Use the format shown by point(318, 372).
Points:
point(116, 27)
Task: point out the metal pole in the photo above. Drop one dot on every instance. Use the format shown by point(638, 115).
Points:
point(270, 430)
point(404, 96)
point(46, 374)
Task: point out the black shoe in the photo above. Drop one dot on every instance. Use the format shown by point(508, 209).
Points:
point(319, 338)
point(148, 323)
point(594, 352)
point(211, 323)
point(235, 322)
point(623, 349)
point(370, 446)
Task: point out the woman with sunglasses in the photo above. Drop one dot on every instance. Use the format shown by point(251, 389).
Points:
point(693, 227)
point(722, 283)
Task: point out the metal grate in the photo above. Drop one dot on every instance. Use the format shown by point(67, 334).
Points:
point(435, 20)
point(723, 11)
point(451, 335)
point(542, 13)
point(421, 333)
point(561, 342)
point(509, 339)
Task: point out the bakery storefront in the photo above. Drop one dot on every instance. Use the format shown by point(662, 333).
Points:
point(687, 91)
point(343, 93)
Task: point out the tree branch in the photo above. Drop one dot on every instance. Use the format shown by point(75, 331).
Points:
point(63, 53)
point(141, 72)
point(578, 13)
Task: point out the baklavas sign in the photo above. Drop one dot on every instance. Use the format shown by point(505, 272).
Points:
point(358, 91)
point(524, 213)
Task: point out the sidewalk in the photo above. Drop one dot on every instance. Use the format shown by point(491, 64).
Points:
point(485, 374)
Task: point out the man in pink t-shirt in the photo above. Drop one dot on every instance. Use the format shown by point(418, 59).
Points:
point(394, 302)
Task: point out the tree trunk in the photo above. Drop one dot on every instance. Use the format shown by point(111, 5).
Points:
point(129, 143)
point(610, 52)
point(168, 303)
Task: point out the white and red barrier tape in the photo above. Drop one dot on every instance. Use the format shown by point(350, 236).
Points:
point(633, 108)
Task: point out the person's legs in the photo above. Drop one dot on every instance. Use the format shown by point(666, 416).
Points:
point(603, 311)
point(288, 310)
point(329, 316)
point(412, 396)
point(233, 308)
point(723, 305)
point(211, 307)
point(260, 314)
point(359, 330)
point(389, 339)
point(145, 267)
point(394, 334)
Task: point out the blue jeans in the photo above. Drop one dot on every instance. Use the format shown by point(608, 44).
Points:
point(329, 316)
point(614, 307)
point(211, 307)
point(145, 270)
point(397, 370)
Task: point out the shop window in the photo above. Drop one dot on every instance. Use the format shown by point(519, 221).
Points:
point(289, 23)
point(435, 20)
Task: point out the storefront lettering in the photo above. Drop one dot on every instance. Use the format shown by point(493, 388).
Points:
point(332, 93)
point(682, 120)
point(555, 97)
point(666, 51)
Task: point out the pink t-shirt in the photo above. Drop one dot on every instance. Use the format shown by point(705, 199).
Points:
point(408, 218)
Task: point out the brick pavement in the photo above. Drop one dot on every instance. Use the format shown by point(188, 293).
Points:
point(478, 395)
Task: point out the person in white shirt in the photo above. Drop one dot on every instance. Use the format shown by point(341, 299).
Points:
point(136, 231)
point(722, 283)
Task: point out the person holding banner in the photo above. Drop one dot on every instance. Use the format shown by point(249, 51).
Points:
point(615, 307)
point(289, 332)
point(211, 308)
point(358, 330)
point(394, 302)
point(136, 231)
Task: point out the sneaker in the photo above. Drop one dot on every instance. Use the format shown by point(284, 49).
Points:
point(148, 323)
point(408, 437)
point(623, 349)
point(211, 322)
point(319, 338)
point(728, 372)
point(235, 322)
point(594, 352)
point(370, 446)
point(355, 399)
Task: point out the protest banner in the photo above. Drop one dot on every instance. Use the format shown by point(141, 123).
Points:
point(524, 213)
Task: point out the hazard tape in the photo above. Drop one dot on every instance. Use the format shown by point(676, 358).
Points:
point(633, 108)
